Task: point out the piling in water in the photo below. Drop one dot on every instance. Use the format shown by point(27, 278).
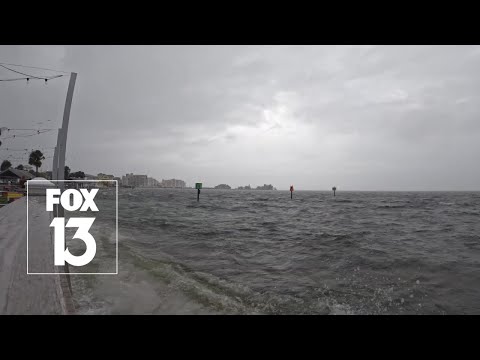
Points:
point(198, 186)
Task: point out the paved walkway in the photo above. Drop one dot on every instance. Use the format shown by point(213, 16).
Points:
point(29, 294)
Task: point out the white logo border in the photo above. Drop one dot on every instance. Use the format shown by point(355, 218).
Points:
point(116, 230)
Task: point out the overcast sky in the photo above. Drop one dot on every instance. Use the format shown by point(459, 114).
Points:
point(358, 117)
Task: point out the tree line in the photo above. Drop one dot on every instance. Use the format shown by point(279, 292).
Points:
point(36, 159)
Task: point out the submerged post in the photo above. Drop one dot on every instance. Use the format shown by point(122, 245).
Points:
point(198, 186)
point(291, 191)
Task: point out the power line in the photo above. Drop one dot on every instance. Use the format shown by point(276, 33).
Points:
point(29, 135)
point(9, 129)
point(24, 158)
point(4, 128)
point(35, 67)
point(27, 149)
point(27, 152)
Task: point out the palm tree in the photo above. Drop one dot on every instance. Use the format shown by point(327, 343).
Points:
point(35, 159)
point(5, 165)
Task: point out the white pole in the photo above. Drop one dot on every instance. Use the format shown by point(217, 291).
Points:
point(62, 145)
point(55, 157)
point(60, 150)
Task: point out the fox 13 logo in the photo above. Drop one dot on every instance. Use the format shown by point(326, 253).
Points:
point(67, 225)
point(83, 224)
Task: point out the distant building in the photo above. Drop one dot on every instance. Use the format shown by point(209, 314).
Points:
point(223, 187)
point(248, 187)
point(104, 177)
point(265, 187)
point(151, 182)
point(135, 180)
point(173, 183)
point(14, 176)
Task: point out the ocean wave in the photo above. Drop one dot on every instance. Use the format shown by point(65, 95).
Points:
point(395, 206)
point(266, 254)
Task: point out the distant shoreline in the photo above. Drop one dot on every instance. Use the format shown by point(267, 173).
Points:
point(306, 190)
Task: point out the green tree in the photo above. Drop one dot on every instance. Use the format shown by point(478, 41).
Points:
point(5, 165)
point(67, 172)
point(78, 175)
point(35, 159)
point(19, 167)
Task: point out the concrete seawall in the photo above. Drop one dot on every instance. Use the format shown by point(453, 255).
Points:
point(30, 294)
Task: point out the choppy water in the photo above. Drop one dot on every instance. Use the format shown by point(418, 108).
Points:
point(259, 252)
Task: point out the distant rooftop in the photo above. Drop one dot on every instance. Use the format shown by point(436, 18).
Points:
point(15, 173)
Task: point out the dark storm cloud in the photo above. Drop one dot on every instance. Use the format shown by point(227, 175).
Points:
point(359, 117)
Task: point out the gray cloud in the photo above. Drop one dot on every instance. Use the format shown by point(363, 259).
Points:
point(359, 117)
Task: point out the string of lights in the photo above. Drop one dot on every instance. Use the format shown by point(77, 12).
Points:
point(15, 79)
point(35, 67)
point(29, 77)
point(22, 153)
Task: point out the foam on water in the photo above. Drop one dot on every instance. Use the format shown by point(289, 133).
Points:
point(259, 252)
